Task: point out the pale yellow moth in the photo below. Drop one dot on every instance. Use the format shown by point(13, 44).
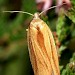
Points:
point(41, 45)
point(42, 49)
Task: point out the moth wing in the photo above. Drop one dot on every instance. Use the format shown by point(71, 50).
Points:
point(54, 51)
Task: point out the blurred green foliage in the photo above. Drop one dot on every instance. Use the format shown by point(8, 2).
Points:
point(14, 57)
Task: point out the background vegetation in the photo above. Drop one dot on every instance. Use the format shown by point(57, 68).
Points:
point(14, 57)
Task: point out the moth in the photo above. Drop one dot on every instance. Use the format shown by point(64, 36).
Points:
point(42, 49)
point(41, 45)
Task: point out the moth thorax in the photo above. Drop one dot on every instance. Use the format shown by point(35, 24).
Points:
point(36, 15)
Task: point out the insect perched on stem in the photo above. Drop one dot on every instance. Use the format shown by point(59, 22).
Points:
point(41, 45)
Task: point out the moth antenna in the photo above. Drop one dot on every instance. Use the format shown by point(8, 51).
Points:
point(19, 12)
point(51, 8)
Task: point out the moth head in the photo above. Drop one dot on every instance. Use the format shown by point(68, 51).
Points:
point(36, 15)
